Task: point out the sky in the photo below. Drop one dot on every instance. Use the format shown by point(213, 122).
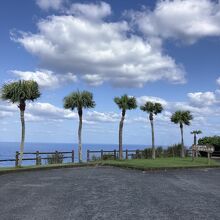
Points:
point(160, 51)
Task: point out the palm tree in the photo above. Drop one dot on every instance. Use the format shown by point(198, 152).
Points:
point(181, 118)
point(195, 133)
point(124, 103)
point(20, 92)
point(152, 109)
point(79, 100)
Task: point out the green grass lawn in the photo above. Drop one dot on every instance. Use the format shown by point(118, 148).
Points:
point(159, 163)
point(142, 164)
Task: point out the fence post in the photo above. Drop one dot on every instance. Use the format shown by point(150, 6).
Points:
point(208, 158)
point(137, 154)
point(72, 156)
point(126, 154)
point(16, 158)
point(87, 155)
point(101, 154)
point(37, 158)
point(56, 157)
point(115, 156)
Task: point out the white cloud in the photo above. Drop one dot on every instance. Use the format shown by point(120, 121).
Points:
point(102, 116)
point(90, 11)
point(218, 81)
point(143, 99)
point(37, 111)
point(50, 4)
point(46, 111)
point(99, 51)
point(7, 109)
point(202, 98)
point(187, 20)
point(4, 114)
point(46, 78)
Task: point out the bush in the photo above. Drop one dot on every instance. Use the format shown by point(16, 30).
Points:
point(172, 151)
point(108, 157)
point(146, 153)
point(214, 140)
point(55, 158)
point(95, 157)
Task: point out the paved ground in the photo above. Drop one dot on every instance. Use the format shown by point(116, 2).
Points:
point(110, 193)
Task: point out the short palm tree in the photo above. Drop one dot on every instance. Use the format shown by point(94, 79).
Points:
point(124, 103)
point(79, 100)
point(152, 109)
point(195, 133)
point(181, 118)
point(20, 92)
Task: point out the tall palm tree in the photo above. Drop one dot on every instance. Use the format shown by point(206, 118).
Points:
point(124, 103)
point(20, 92)
point(195, 133)
point(79, 100)
point(152, 109)
point(181, 118)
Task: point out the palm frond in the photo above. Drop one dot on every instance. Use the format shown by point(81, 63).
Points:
point(79, 100)
point(26, 90)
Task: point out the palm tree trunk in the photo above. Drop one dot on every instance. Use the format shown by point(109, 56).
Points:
point(182, 142)
point(195, 141)
point(120, 135)
point(153, 146)
point(22, 109)
point(151, 117)
point(80, 136)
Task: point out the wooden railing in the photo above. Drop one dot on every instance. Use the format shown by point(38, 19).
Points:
point(38, 158)
point(113, 153)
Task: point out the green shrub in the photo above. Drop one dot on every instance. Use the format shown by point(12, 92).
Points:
point(108, 157)
point(214, 140)
point(159, 152)
point(173, 151)
point(95, 157)
point(55, 158)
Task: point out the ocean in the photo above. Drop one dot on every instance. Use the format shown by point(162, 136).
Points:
point(8, 150)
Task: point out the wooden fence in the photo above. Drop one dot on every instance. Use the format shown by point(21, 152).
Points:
point(37, 156)
point(112, 153)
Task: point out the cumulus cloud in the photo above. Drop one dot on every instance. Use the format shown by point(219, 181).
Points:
point(202, 98)
point(7, 110)
point(37, 112)
point(102, 116)
point(46, 111)
point(187, 20)
point(99, 51)
point(49, 4)
point(46, 78)
point(143, 99)
point(90, 11)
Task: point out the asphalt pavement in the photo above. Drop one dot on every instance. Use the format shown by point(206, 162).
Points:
point(92, 193)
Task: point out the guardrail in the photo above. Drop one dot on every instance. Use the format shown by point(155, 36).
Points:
point(38, 158)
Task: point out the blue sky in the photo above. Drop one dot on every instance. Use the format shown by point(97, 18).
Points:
point(166, 51)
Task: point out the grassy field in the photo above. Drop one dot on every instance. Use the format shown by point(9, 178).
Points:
point(141, 164)
point(162, 163)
